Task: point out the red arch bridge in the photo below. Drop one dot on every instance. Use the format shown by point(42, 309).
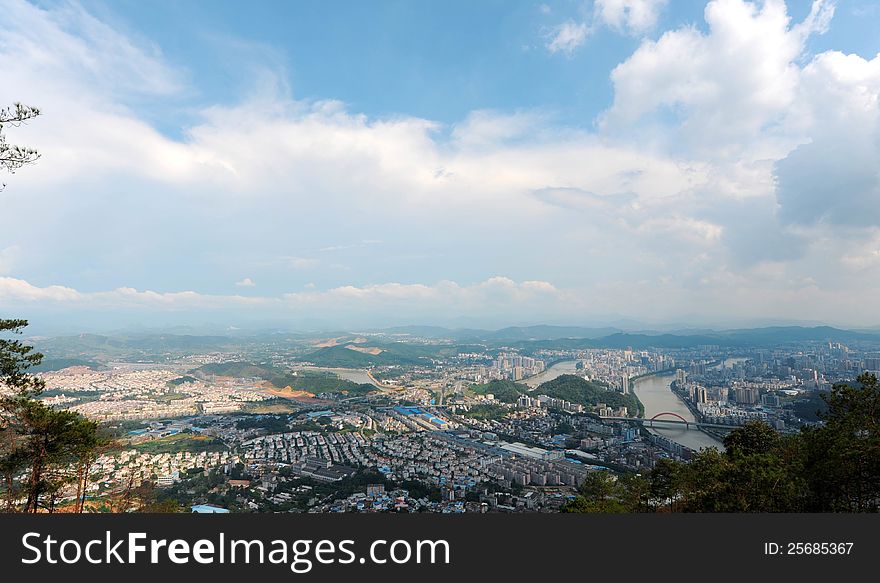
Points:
point(669, 414)
point(667, 418)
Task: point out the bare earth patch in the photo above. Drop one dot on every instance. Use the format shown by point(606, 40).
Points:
point(366, 349)
point(289, 393)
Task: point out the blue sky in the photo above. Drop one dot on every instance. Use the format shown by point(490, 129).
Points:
point(478, 163)
point(434, 60)
point(437, 60)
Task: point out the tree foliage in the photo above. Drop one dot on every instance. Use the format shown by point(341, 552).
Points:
point(504, 391)
point(45, 453)
point(578, 390)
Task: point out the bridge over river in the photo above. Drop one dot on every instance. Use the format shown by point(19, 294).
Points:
point(678, 421)
point(656, 395)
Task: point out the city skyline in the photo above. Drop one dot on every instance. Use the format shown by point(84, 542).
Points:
point(668, 163)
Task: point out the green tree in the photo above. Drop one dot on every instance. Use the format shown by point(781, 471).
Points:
point(16, 387)
point(665, 484)
point(15, 358)
point(40, 447)
point(56, 442)
point(842, 458)
point(757, 472)
point(752, 438)
point(603, 491)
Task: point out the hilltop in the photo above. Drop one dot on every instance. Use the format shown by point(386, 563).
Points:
point(504, 391)
point(313, 382)
point(578, 390)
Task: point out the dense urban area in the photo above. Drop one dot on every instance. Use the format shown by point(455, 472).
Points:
point(421, 420)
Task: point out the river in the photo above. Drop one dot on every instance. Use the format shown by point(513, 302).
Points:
point(558, 369)
point(656, 395)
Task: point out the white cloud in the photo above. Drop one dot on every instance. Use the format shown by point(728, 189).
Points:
point(730, 87)
point(474, 298)
point(635, 16)
point(495, 295)
point(568, 36)
point(246, 282)
point(14, 290)
point(797, 133)
point(865, 255)
point(68, 46)
point(834, 177)
point(279, 181)
point(683, 228)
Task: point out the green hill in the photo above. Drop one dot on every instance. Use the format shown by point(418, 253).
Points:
point(304, 380)
point(504, 391)
point(125, 346)
point(342, 356)
point(181, 380)
point(239, 370)
point(577, 390)
point(353, 355)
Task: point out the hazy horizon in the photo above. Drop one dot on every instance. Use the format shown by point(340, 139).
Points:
point(675, 164)
point(317, 327)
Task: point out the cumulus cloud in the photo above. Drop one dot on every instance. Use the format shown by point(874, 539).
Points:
point(791, 139)
point(726, 158)
point(14, 292)
point(496, 295)
point(730, 88)
point(835, 177)
point(487, 295)
point(267, 183)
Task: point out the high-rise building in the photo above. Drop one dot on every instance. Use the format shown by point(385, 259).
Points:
point(680, 377)
point(770, 400)
point(746, 395)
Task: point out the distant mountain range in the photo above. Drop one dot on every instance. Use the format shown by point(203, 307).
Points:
point(613, 337)
point(385, 347)
point(540, 332)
